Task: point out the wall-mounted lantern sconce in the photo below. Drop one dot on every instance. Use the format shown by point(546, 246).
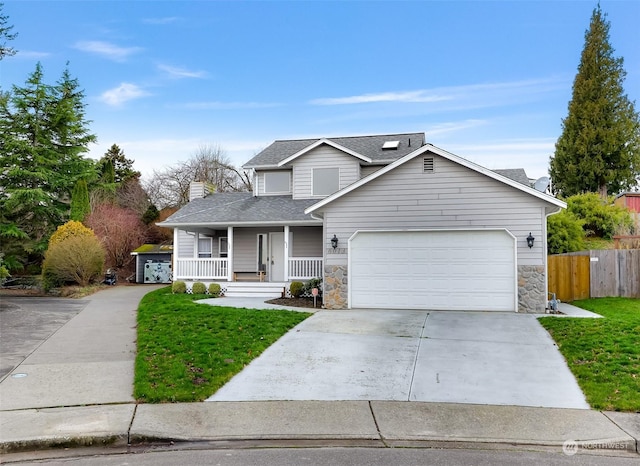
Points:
point(530, 240)
point(334, 241)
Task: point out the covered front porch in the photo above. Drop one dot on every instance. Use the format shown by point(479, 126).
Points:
point(276, 254)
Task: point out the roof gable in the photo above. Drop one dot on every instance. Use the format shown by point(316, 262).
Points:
point(319, 143)
point(366, 147)
point(449, 156)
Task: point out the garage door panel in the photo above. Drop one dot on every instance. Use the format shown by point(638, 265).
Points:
point(433, 270)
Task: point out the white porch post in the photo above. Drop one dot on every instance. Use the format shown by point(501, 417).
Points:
point(230, 254)
point(174, 256)
point(286, 253)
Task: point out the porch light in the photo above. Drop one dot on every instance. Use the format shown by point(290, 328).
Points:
point(334, 241)
point(530, 240)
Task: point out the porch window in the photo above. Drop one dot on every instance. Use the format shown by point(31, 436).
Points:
point(325, 181)
point(204, 247)
point(222, 246)
point(277, 182)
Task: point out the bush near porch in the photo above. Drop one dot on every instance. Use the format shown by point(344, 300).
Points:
point(187, 351)
point(603, 354)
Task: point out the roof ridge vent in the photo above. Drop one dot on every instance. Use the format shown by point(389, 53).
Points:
point(391, 145)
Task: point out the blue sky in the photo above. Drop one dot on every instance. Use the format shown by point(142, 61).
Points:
point(487, 80)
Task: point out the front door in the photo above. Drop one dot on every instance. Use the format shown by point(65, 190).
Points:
point(276, 259)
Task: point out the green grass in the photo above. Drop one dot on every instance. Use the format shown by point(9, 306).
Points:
point(603, 354)
point(187, 351)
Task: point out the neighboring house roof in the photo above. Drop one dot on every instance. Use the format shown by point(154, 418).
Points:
point(515, 174)
point(153, 249)
point(368, 148)
point(447, 155)
point(229, 209)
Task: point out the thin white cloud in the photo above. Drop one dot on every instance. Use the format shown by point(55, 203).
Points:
point(457, 97)
point(452, 127)
point(160, 21)
point(107, 50)
point(175, 72)
point(407, 96)
point(123, 93)
point(215, 105)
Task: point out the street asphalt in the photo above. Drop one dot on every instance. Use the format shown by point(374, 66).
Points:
point(71, 384)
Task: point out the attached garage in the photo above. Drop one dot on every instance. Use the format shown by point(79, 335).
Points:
point(471, 270)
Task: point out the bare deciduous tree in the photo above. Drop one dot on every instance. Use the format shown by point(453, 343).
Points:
point(170, 187)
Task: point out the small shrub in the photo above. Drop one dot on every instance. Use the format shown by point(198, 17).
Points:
point(214, 290)
point(601, 218)
point(199, 288)
point(76, 259)
point(310, 285)
point(564, 233)
point(296, 289)
point(179, 287)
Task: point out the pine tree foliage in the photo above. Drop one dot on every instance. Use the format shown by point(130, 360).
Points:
point(599, 148)
point(122, 166)
point(6, 34)
point(43, 136)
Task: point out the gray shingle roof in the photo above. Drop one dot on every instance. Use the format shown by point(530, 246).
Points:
point(515, 174)
point(238, 208)
point(369, 146)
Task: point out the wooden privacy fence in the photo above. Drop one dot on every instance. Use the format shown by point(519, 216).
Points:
point(569, 276)
point(595, 274)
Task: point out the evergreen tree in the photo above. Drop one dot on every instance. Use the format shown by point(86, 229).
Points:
point(122, 166)
point(599, 148)
point(5, 35)
point(80, 206)
point(43, 135)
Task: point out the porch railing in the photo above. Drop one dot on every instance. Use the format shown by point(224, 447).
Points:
point(304, 268)
point(199, 269)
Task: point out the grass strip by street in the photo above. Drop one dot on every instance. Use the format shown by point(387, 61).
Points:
point(603, 354)
point(187, 351)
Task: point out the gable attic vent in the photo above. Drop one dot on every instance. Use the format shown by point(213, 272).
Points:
point(390, 145)
point(427, 165)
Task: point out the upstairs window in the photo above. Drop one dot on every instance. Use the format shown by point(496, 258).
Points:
point(325, 181)
point(277, 183)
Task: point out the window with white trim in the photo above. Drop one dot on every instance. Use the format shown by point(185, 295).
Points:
point(204, 246)
point(222, 246)
point(277, 182)
point(325, 181)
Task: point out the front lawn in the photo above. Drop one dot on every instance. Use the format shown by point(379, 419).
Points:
point(603, 354)
point(187, 351)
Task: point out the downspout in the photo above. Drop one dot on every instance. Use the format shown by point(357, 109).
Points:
point(546, 255)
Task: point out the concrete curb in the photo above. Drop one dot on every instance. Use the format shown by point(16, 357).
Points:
point(316, 423)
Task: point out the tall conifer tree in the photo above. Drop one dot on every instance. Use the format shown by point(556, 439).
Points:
point(599, 148)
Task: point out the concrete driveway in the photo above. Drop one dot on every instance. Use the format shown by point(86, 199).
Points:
point(458, 357)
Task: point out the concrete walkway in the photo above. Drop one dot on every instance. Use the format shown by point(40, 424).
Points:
point(75, 389)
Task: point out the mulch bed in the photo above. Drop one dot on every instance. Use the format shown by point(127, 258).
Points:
point(296, 302)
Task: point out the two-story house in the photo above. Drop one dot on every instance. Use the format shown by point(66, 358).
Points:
point(387, 221)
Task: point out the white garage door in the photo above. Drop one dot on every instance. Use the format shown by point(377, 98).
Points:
point(434, 270)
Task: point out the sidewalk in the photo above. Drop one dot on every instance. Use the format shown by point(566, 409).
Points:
point(78, 391)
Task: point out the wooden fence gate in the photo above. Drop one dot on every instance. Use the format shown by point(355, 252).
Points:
point(595, 274)
point(569, 277)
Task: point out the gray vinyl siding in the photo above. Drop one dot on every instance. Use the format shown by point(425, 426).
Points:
point(307, 242)
point(454, 197)
point(368, 170)
point(322, 157)
point(186, 244)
